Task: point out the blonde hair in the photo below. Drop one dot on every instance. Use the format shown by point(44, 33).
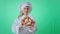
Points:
point(21, 14)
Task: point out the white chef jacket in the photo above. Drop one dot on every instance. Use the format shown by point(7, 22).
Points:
point(26, 30)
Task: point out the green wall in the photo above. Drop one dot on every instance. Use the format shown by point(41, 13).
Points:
point(45, 12)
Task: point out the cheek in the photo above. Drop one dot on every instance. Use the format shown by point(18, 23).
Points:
point(26, 10)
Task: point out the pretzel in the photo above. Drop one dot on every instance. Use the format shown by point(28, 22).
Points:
point(27, 21)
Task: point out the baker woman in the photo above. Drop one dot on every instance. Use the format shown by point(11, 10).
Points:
point(24, 23)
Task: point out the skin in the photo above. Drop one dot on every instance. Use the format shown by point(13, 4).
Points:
point(25, 11)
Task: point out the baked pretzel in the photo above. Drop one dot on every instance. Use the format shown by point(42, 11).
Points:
point(27, 21)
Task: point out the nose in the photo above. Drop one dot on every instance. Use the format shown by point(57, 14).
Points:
point(27, 9)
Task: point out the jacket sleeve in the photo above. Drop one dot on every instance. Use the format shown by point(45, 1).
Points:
point(16, 23)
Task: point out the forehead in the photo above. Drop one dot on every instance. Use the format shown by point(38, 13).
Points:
point(27, 6)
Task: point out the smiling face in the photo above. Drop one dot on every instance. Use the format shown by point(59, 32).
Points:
point(26, 10)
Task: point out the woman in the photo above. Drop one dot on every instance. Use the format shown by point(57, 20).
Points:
point(25, 23)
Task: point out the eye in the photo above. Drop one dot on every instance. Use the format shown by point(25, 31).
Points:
point(26, 8)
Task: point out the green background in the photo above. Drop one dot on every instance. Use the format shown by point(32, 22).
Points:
point(45, 12)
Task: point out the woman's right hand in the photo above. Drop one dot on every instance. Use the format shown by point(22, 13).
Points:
point(20, 29)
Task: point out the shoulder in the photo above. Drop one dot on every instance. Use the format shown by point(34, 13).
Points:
point(21, 17)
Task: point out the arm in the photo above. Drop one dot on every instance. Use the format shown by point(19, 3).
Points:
point(15, 25)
